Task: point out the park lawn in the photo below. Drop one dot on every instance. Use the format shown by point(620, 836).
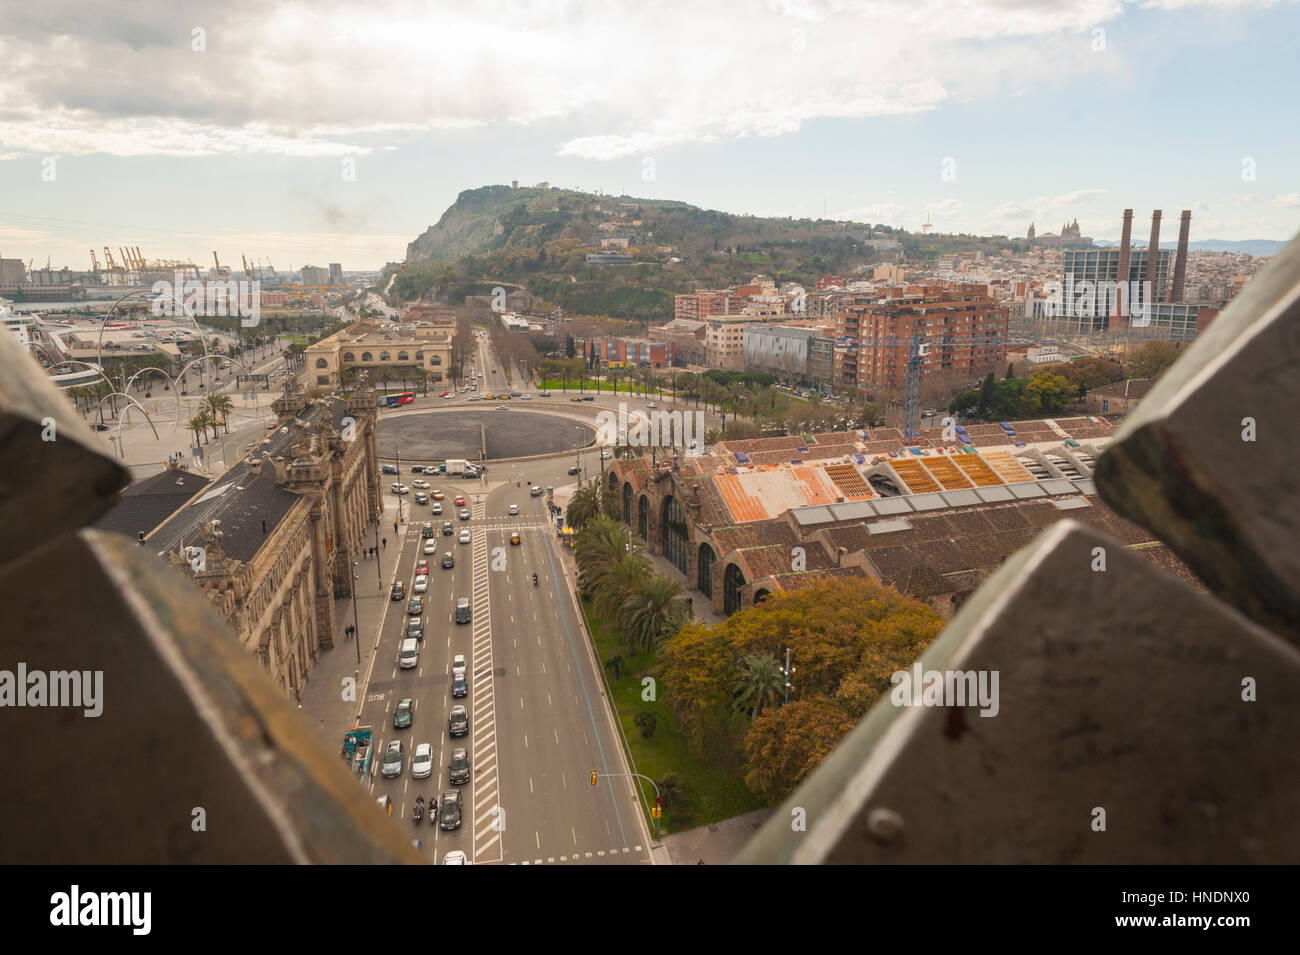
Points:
point(555, 384)
point(714, 792)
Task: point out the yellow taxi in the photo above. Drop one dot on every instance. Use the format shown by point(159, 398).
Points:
point(436, 495)
point(515, 538)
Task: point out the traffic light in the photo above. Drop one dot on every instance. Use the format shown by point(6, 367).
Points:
point(593, 777)
point(659, 800)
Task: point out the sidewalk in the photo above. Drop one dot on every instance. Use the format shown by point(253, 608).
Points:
point(322, 697)
point(716, 844)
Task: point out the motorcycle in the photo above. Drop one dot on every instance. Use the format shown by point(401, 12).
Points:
point(433, 812)
point(419, 813)
point(534, 580)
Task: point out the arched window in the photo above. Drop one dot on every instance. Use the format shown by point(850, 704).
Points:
point(419, 356)
point(674, 533)
point(643, 517)
point(384, 356)
point(733, 581)
point(760, 596)
point(322, 363)
point(435, 360)
point(402, 356)
point(348, 356)
point(704, 570)
point(365, 356)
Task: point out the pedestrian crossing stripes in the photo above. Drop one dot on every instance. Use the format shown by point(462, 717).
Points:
point(484, 809)
point(581, 856)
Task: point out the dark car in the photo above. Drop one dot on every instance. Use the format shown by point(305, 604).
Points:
point(459, 687)
point(588, 397)
point(459, 767)
point(426, 531)
point(575, 470)
point(450, 810)
point(402, 717)
point(416, 607)
point(394, 757)
point(447, 529)
point(448, 561)
point(389, 469)
point(399, 590)
point(415, 627)
point(458, 722)
point(516, 394)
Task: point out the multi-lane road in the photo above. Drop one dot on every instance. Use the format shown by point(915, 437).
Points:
point(539, 720)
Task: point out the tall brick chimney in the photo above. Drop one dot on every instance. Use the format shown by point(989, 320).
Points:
point(1153, 257)
point(1121, 273)
point(1180, 260)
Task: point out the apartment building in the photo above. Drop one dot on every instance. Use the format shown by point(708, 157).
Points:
point(963, 328)
point(687, 338)
point(637, 352)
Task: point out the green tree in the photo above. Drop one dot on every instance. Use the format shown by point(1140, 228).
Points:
point(986, 395)
point(759, 683)
point(646, 722)
point(1150, 359)
point(653, 612)
point(1048, 393)
point(570, 350)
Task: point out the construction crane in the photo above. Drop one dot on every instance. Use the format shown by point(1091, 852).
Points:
point(926, 226)
point(248, 269)
point(94, 262)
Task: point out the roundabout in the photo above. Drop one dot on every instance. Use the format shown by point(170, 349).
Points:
point(460, 433)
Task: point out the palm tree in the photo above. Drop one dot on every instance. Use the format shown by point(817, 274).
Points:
point(759, 682)
point(220, 407)
point(199, 425)
point(584, 505)
point(653, 613)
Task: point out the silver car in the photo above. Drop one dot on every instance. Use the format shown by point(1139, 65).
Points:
point(394, 756)
point(464, 535)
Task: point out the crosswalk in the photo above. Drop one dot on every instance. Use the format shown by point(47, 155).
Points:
point(485, 809)
point(582, 856)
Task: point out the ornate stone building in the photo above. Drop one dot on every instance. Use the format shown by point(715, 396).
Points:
point(272, 540)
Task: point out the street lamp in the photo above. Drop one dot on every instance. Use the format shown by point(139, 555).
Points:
point(356, 627)
point(787, 671)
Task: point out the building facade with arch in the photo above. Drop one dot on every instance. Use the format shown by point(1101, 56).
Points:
point(408, 351)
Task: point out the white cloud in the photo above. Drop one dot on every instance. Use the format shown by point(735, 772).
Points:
point(623, 77)
point(1249, 199)
point(1068, 199)
point(1013, 210)
point(1289, 201)
point(945, 208)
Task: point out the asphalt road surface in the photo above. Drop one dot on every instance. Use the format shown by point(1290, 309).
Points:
point(539, 721)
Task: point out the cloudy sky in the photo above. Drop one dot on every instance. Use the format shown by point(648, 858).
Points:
point(326, 131)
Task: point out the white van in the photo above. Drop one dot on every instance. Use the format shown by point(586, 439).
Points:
point(410, 654)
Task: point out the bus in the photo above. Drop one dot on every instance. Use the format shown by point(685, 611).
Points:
point(397, 398)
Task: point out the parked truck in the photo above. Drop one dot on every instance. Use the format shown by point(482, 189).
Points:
point(356, 750)
point(460, 466)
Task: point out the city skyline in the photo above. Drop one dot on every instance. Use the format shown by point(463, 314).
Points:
point(259, 131)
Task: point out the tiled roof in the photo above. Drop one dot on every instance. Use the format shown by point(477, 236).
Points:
point(147, 503)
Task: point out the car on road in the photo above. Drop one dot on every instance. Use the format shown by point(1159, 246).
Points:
point(514, 509)
point(426, 531)
point(415, 628)
point(421, 585)
point(462, 610)
point(575, 470)
point(606, 455)
point(464, 515)
point(446, 529)
point(575, 398)
point(475, 398)
point(421, 497)
point(515, 538)
point(445, 394)
point(402, 715)
point(535, 491)
point(394, 757)
point(409, 655)
point(437, 508)
point(421, 484)
point(455, 857)
point(416, 607)
point(422, 761)
point(458, 721)
point(400, 489)
point(526, 398)
point(388, 469)
point(417, 469)
point(464, 535)
point(448, 561)
point(515, 394)
point(458, 769)
point(460, 500)
point(588, 397)
point(399, 590)
point(421, 567)
point(430, 548)
point(502, 408)
point(451, 809)
point(270, 427)
point(437, 495)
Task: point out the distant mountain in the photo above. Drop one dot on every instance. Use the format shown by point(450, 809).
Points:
point(1247, 246)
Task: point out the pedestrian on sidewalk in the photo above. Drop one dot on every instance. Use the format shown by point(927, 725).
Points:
point(385, 543)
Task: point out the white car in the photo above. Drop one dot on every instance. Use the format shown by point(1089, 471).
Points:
point(514, 509)
point(464, 535)
point(458, 665)
point(421, 584)
point(650, 404)
point(455, 857)
point(401, 489)
point(437, 507)
point(430, 547)
point(422, 761)
point(606, 455)
point(450, 394)
point(422, 485)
